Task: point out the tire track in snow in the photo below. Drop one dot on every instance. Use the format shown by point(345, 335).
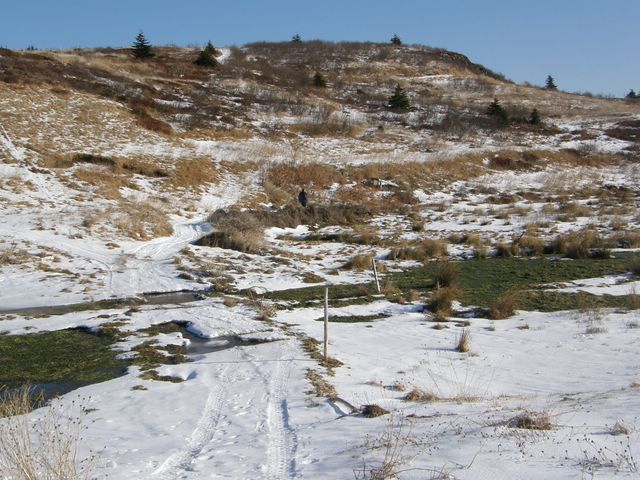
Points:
point(202, 435)
point(283, 441)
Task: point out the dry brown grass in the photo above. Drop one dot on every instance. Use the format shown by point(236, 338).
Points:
point(321, 388)
point(446, 275)
point(581, 244)
point(505, 305)
point(46, 449)
point(417, 395)
point(463, 342)
point(193, 172)
point(440, 301)
point(360, 262)
point(422, 251)
point(531, 421)
point(142, 220)
point(107, 184)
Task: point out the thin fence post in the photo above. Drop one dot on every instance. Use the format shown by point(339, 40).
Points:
point(375, 273)
point(326, 321)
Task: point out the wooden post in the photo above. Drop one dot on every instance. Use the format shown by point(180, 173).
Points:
point(326, 321)
point(375, 273)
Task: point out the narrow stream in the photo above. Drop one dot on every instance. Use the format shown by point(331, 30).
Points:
point(161, 298)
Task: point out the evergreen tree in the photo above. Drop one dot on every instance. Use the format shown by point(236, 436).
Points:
point(319, 80)
point(296, 38)
point(550, 84)
point(141, 47)
point(399, 99)
point(496, 110)
point(632, 94)
point(395, 40)
point(534, 118)
point(211, 49)
point(206, 58)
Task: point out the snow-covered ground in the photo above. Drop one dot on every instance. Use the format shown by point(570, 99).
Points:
point(251, 411)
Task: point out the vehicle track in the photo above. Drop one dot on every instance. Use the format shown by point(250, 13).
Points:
point(183, 460)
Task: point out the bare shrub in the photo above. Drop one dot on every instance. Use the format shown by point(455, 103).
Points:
point(46, 449)
point(463, 342)
point(505, 305)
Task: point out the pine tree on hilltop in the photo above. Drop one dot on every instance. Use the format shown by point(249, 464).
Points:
point(206, 57)
point(399, 99)
point(632, 94)
point(296, 39)
point(141, 47)
point(211, 49)
point(395, 40)
point(319, 80)
point(550, 84)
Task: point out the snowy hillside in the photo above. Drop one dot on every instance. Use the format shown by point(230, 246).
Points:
point(157, 271)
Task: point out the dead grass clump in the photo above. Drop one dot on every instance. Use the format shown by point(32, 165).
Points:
point(506, 250)
point(417, 395)
point(531, 421)
point(145, 120)
point(373, 410)
point(463, 343)
point(360, 262)
point(424, 250)
point(530, 245)
point(505, 305)
point(440, 301)
point(321, 388)
point(292, 177)
point(582, 244)
point(55, 455)
point(107, 183)
point(620, 428)
point(143, 220)
point(446, 275)
point(192, 173)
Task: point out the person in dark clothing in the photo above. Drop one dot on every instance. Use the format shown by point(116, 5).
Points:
point(302, 198)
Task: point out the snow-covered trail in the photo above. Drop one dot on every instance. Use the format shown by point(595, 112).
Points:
point(244, 426)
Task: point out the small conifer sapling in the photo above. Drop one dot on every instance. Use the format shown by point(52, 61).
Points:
point(141, 47)
point(319, 80)
point(399, 100)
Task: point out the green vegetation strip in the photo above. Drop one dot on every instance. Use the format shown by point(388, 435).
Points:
point(482, 281)
point(64, 356)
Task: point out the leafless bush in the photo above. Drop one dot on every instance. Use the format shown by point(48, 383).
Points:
point(46, 449)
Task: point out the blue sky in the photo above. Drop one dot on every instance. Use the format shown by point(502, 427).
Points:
point(586, 45)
